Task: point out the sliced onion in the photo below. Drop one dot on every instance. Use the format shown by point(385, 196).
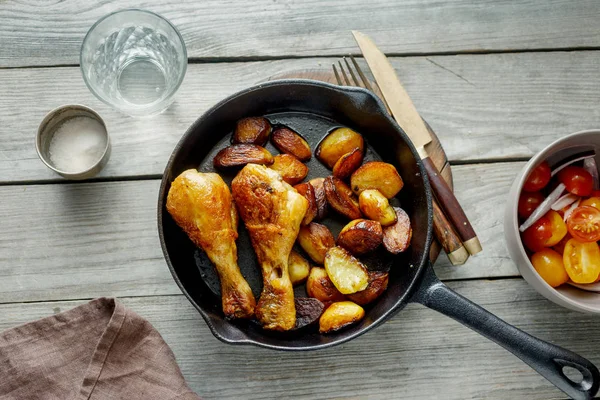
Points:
point(589, 164)
point(544, 207)
point(572, 160)
point(571, 209)
point(564, 201)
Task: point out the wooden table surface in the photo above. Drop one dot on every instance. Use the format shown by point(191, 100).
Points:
point(497, 81)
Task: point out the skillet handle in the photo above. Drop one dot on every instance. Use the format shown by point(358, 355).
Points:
point(547, 359)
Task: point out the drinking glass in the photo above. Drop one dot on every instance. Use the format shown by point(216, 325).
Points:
point(134, 60)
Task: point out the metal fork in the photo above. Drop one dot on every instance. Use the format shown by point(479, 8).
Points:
point(364, 81)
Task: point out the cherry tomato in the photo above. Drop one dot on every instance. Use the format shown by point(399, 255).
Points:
point(592, 201)
point(538, 178)
point(584, 224)
point(560, 246)
point(558, 228)
point(577, 180)
point(595, 193)
point(536, 236)
point(528, 202)
point(549, 264)
point(582, 261)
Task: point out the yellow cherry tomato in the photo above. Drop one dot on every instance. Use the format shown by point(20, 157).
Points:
point(582, 261)
point(549, 264)
point(592, 201)
point(558, 229)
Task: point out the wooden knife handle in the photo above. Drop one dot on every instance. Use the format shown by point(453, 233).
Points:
point(448, 238)
point(452, 208)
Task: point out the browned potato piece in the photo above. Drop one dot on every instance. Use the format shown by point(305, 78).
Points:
point(377, 175)
point(322, 207)
point(378, 282)
point(340, 315)
point(253, 130)
point(340, 197)
point(298, 268)
point(347, 164)
point(238, 155)
point(316, 239)
point(376, 206)
point(308, 311)
point(290, 168)
point(308, 191)
point(319, 286)
point(396, 237)
point(339, 142)
point(289, 142)
point(347, 273)
point(361, 236)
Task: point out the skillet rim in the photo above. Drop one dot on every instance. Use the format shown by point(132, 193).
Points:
point(400, 302)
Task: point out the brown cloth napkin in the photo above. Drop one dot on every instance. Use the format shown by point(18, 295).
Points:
point(100, 350)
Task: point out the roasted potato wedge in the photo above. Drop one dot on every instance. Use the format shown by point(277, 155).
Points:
point(298, 268)
point(339, 142)
point(289, 142)
point(377, 175)
point(340, 315)
point(396, 237)
point(360, 236)
point(308, 191)
point(378, 282)
point(340, 197)
point(290, 168)
point(347, 164)
point(319, 286)
point(253, 130)
point(315, 239)
point(347, 273)
point(308, 311)
point(376, 206)
point(238, 155)
point(322, 206)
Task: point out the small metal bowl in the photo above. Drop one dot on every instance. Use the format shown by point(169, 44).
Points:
point(48, 127)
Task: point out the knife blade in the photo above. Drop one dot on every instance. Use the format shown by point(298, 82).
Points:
point(409, 119)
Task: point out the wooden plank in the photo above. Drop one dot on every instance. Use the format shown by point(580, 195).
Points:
point(74, 241)
point(215, 29)
point(500, 106)
point(417, 355)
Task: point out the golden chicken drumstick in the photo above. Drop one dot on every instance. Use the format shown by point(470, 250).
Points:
point(272, 211)
point(201, 204)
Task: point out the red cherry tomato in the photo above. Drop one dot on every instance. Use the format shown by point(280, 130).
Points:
point(536, 236)
point(584, 224)
point(595, 193)
point(528, 202)
point(577, 180)
point(538, 178)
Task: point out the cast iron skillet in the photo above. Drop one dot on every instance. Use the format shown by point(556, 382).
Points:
point(312, 109)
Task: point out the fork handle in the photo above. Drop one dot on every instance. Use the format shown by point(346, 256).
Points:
point(452, 208)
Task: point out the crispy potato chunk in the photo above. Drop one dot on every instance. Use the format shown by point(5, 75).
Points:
point(347, 164)
point(322, 206)
point(396, 237)
point(308, 311)
point(340, 315)
point(253, 130)
point(340, 198)
point(377, 175)
point(290, 168)
point(238, 155)
point(361, 236)
point(378, 283)
point(319, 286)
point(298, 268)
point(308, 191)
point(376, 206)
point(315, 239)
point(347, 273)
point(289, 142)
point(339, 142)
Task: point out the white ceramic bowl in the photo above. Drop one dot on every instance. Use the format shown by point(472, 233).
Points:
point(565, 295)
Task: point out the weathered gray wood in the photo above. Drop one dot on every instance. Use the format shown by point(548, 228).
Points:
point(52, 34)
point(74, 241)
point(419, 354)
point(500, 106)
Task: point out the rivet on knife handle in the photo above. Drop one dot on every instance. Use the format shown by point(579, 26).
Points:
point(452, 208)
point(448, 238)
